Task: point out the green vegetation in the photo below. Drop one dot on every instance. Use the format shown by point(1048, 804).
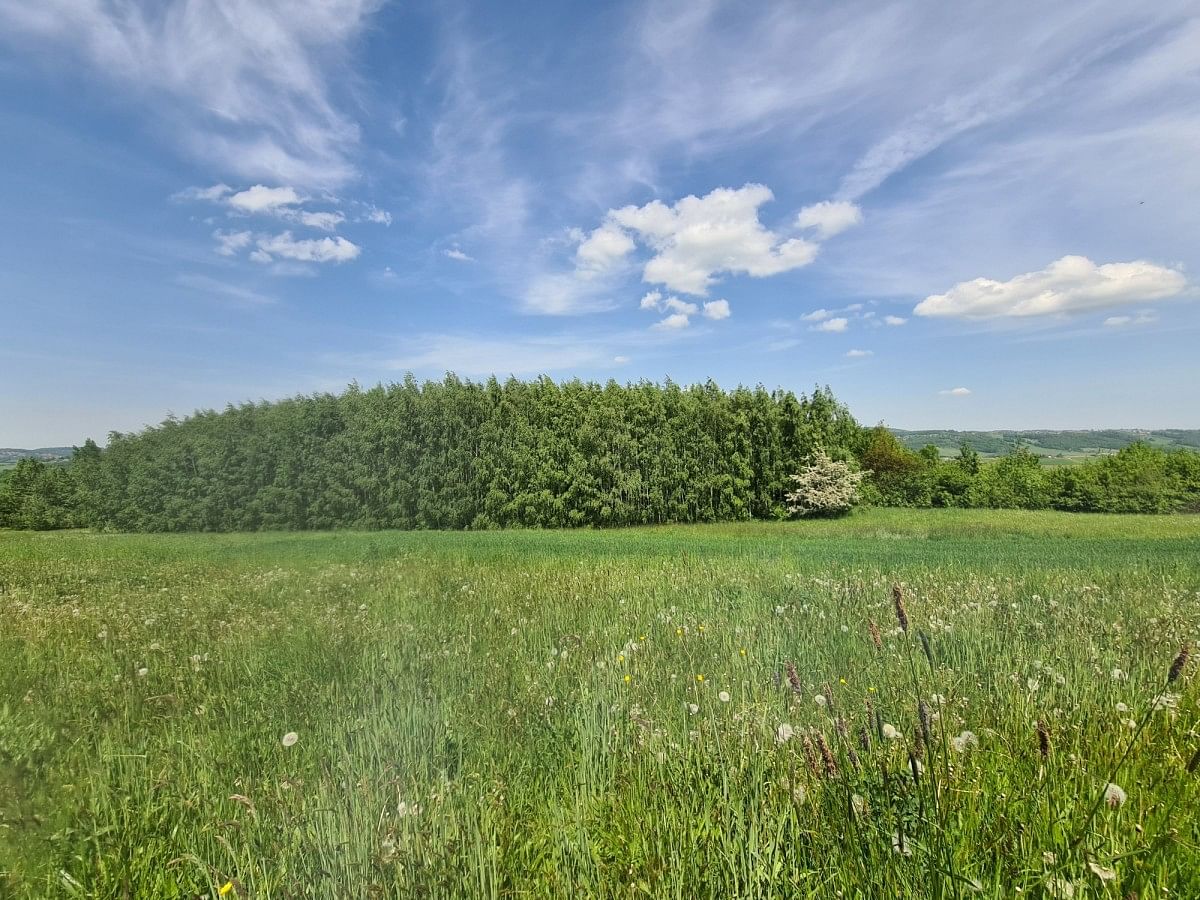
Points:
point(522, 713)
point(459, 454)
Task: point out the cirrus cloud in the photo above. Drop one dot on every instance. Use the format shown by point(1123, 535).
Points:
point(1071, 285)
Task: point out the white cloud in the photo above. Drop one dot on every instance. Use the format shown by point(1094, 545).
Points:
point(894, 320)
point(284, 246)
point(699, 238)
point(603, 250)
point(1073, 284)
point(859, 354)
point(376, 215)
point(240, 84)
point(956, 392)
point(651, 300)
point(817, 315)
point(836, 325)
point(829, 217)
point(1146, 317)
point(213, 194)
point(326, 221)
point(263, 199)
point(455, 253)
point(674, 322)
point(717, 310)
point(620, 360)
point(230, 242)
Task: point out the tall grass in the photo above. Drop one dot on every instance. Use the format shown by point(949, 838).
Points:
point(603, 714)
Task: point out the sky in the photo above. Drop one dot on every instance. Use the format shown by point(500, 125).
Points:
point(974, 216)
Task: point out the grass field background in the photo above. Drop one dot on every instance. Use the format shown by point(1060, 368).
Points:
point(602, 713)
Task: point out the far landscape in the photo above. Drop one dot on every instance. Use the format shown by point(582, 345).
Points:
point(635, 450)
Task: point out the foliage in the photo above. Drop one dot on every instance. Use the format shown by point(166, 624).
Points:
point(465, 727)
point(824, 487)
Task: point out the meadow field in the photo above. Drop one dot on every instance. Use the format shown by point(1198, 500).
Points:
point(903, 703)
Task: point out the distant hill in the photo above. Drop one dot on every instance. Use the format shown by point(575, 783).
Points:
point(10, 455)
point(1065, 445)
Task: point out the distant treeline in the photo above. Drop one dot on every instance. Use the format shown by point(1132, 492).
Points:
point(463, 454)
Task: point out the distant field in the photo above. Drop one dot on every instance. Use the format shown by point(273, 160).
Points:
point(604, 713)
point(1055, 447)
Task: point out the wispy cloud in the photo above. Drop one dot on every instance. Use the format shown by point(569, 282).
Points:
point(243, 85)
point(215, 287)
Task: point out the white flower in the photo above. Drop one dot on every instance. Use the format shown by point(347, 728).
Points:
point(1122, 708)
point(289, 739)
point(1102, 872)
point(1060, 888)
point(890, 731)
point(961, 742)
point(1166, 701)
point(1114, 795)
point(783, 733)
point(899, 845)
point(724, 696)
point(858, 803)
point(143, 672)
point(820, 700)
point(693, 708)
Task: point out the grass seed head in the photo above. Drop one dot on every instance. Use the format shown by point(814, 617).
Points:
point(1178, 665)
point(876, 635)
point(1043, 735)
point(901, 609)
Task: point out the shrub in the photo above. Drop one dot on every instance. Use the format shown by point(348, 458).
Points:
point(824, 487)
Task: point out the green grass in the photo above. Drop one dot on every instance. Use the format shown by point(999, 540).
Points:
point(465, 726)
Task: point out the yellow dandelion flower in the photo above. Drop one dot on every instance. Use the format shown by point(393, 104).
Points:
point(742, 651)
point(642, 638)
point(871, 689)
point(628, 678)
point(841, 681)
point(700, 678)
point(621, 658)
point(679, 632)
point(225, 888)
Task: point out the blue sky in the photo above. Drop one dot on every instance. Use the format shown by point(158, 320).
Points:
point(976, 216)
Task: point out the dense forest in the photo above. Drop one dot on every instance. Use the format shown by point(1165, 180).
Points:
point(463, 454)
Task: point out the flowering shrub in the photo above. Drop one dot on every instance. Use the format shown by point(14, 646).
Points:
point(825, 487)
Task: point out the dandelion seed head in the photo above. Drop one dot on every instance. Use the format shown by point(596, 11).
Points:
point(289, 739)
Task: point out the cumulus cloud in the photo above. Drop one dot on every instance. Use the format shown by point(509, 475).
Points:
point(326, 221)
point(699, 238)
point(674, 322)
point(263, 199)
point(955, 392)
point(284, 246)
point(603, 249)
point(680, 311)
point(859, 354)
point(829, 217)
point(716, 310)
point(817, 315)
point(894, 321)
point(1071, 285)
point(455, 253)
point(376, 215)
point(836, 325)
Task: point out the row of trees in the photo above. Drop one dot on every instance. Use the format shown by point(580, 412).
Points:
point(462, 454)
point(1136, 479)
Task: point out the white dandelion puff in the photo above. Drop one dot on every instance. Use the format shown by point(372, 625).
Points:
point(890, 731)
point(784, 733)
point(289, 739)
point(962, 742)
point(1114, 795)
point(1102, 872)
point(724, 696)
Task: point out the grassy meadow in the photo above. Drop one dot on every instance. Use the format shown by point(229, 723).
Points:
point(678, 712)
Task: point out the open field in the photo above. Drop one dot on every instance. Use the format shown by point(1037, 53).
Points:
point(604, 714)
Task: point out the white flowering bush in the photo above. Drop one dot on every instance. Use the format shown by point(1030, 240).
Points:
point(824, 487)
